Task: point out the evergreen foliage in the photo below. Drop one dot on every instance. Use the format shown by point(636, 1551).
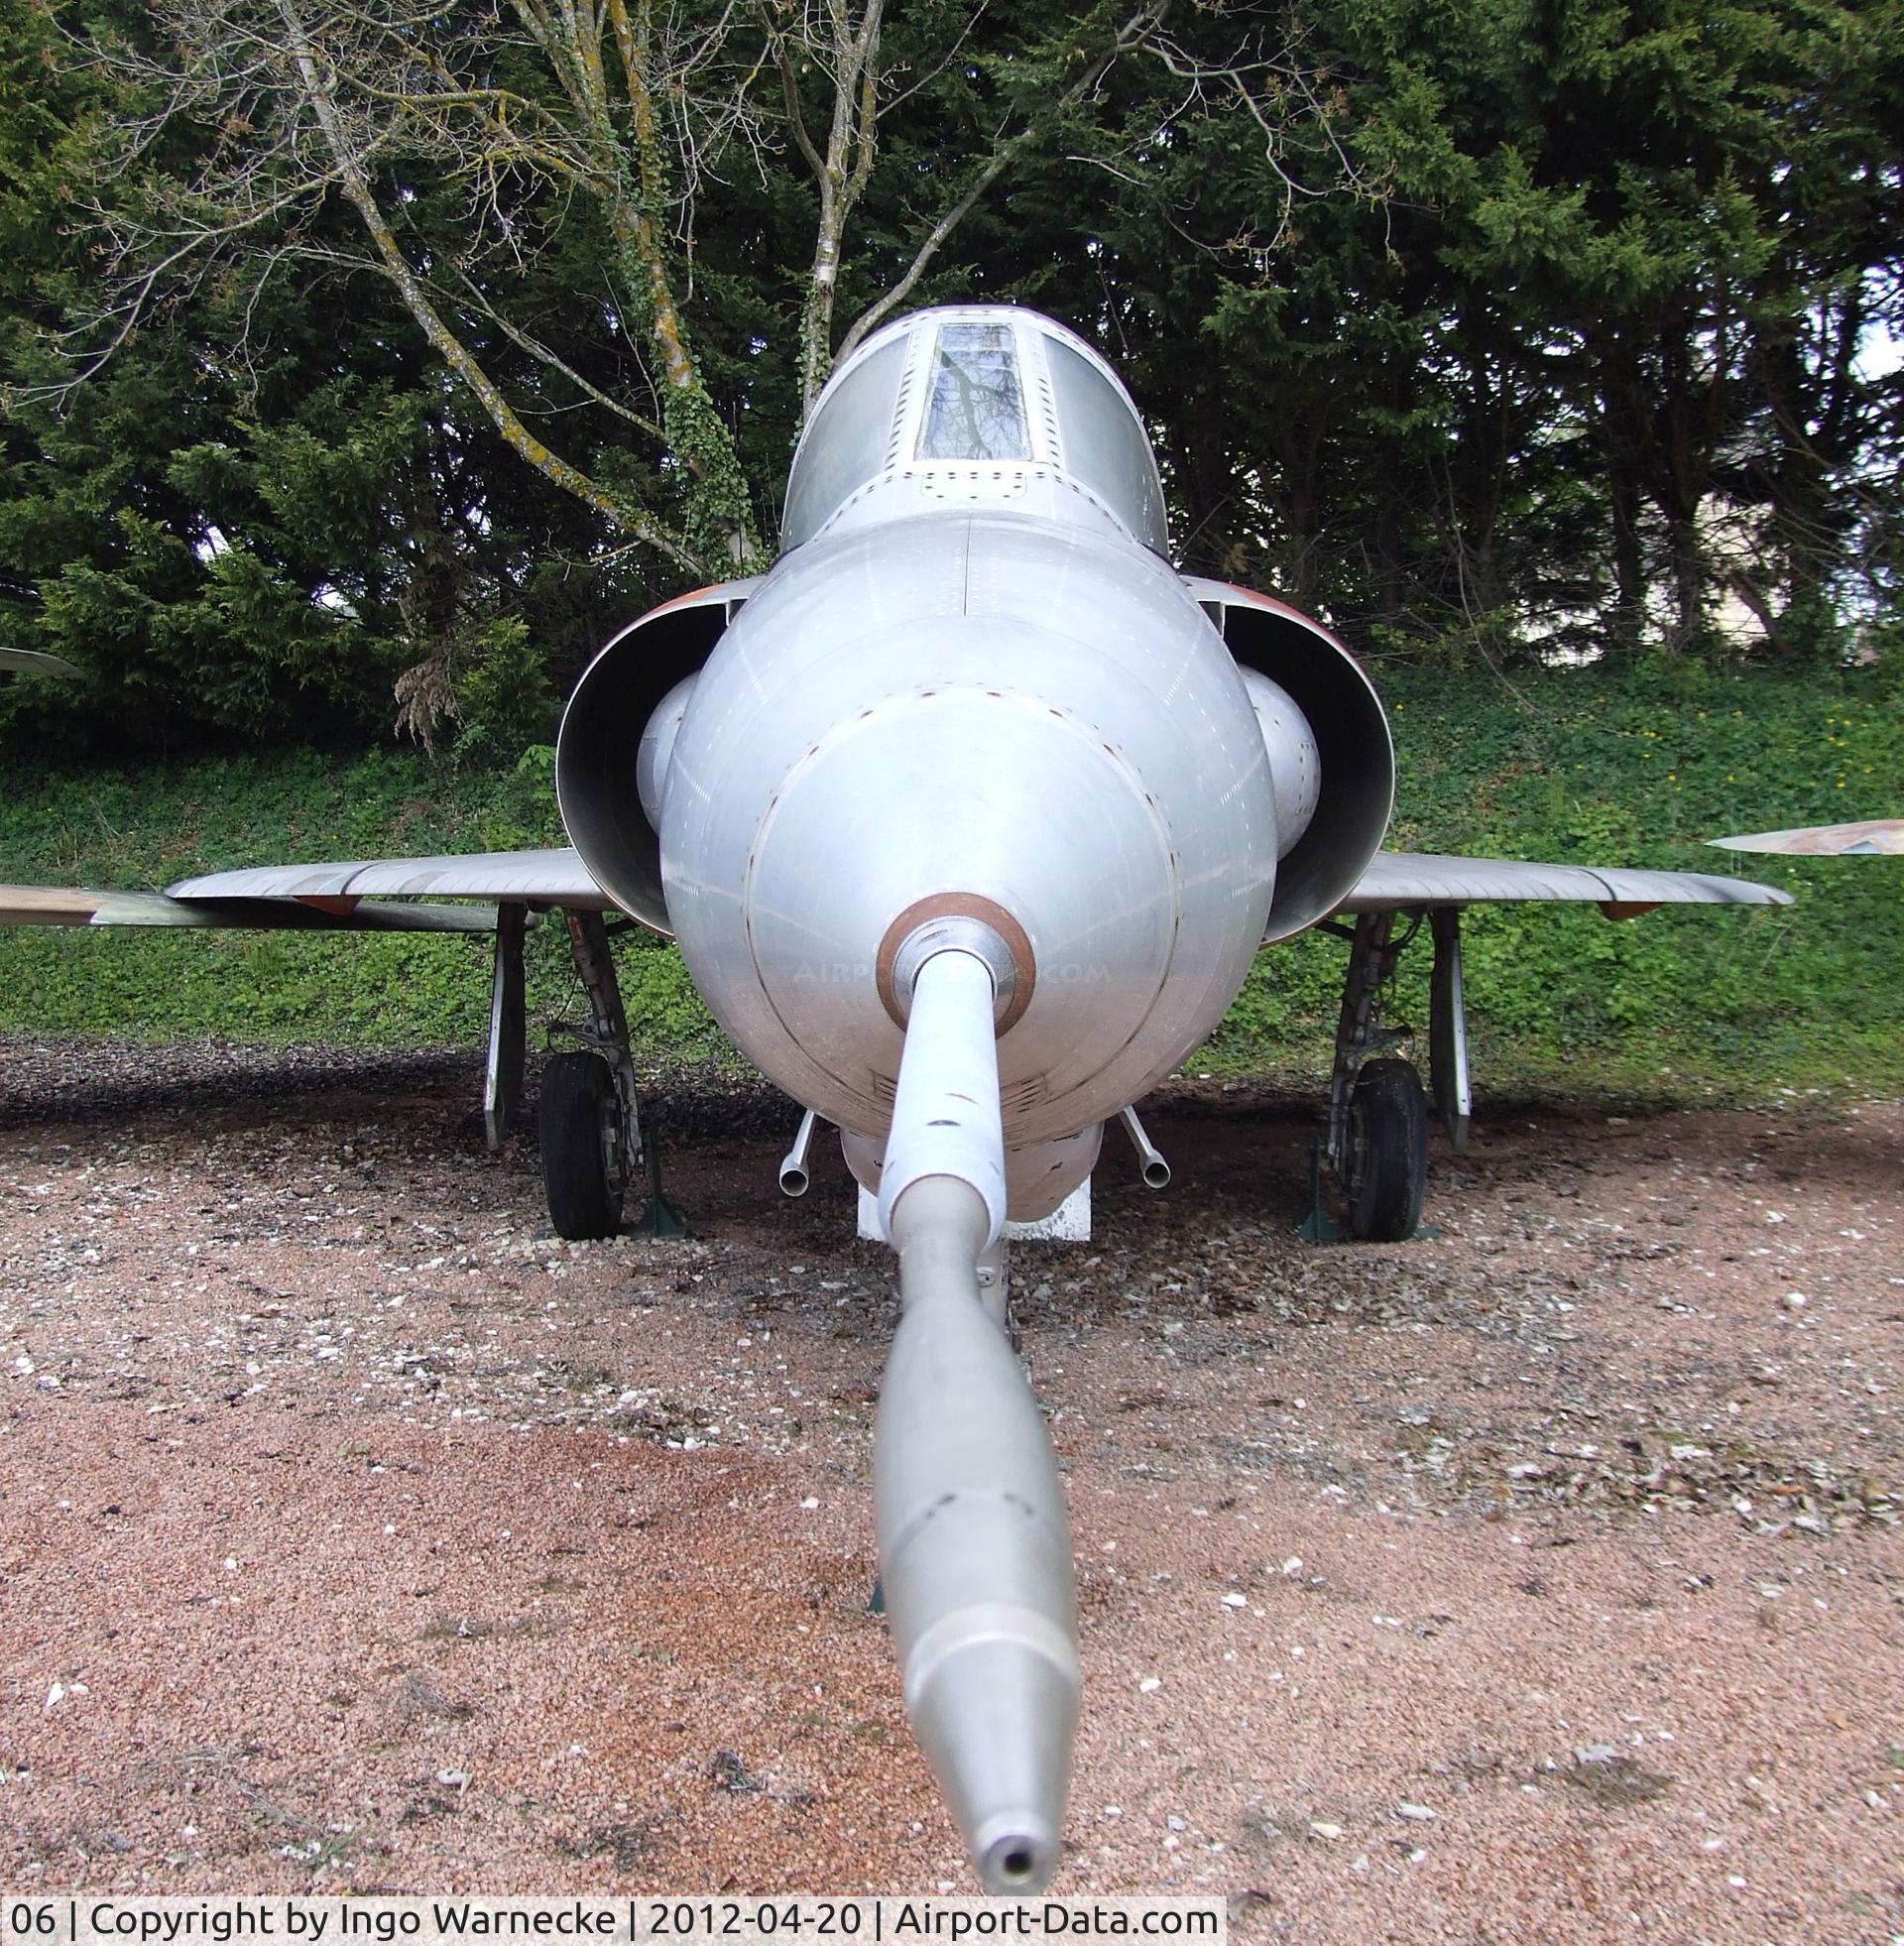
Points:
point(1486, 328)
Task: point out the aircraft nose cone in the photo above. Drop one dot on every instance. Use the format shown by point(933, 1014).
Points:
point(996, 1720)
point(988, 793)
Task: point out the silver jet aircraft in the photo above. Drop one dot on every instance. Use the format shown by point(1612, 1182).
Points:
point(967, 818)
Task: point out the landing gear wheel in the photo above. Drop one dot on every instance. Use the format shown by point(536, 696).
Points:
point(1388, 1152)
point(584, 1172)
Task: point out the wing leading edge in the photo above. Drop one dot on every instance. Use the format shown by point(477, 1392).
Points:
point(378, 894)
point(1399, 878)
point(350, 893)
point(37, 905)
point(555, 877)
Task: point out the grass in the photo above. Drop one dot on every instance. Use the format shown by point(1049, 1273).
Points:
point(1572, 765)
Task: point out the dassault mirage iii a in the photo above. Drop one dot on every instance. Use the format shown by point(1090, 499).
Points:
point(968, 819)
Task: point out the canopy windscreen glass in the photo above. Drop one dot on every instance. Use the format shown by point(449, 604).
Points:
point(976, 410)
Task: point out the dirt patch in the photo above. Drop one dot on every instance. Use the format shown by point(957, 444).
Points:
point(1539, 1580)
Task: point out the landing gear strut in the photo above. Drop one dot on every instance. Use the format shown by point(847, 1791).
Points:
point(591, 1126)
point(1376, 1143)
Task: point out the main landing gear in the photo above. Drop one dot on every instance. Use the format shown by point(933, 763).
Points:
point(1376, 1142)
point(585, 1145)
point(591, 1125)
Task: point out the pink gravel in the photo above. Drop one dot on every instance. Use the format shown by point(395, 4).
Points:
point(1540, 1580)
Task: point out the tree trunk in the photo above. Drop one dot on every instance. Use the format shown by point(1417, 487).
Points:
point(1627, 624)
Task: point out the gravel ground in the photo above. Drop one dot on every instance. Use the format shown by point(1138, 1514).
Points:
point(1538, 1580)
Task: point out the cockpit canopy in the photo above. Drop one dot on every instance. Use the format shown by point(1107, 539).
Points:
point(974, 402)
point(983, 406)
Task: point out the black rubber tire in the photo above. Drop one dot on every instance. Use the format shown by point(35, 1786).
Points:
point(1388, 1152)
point(578, 1109)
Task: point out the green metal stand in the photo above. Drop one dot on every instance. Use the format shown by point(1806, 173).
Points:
point(660, 1219)
point(1317, 1225)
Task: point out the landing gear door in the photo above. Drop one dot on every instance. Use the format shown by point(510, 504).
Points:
point(1447, 1029)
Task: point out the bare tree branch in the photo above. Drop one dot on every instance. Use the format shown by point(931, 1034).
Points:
point(471, 295)
point(533, 116)
point(448, 347)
